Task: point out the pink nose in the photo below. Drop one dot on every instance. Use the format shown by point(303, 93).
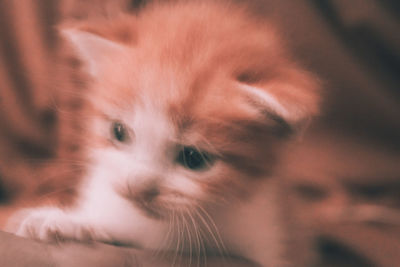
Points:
point(148, 194)
point(143, 192)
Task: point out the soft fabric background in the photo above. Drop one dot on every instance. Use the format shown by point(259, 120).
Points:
point(349, 157)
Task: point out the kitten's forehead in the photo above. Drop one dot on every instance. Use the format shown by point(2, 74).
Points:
point(189, 69)
point(185, 97)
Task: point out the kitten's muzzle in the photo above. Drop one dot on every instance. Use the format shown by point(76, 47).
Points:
point(145, 197)
point(145, 193)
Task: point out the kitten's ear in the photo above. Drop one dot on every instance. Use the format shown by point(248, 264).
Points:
point(93, 49)
point(293, 105)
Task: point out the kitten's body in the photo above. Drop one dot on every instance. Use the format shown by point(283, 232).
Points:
point(194, 79)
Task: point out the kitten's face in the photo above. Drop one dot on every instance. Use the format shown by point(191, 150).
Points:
point(183, 118)
point(176, 143)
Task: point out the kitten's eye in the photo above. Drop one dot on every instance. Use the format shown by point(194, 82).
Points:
point(120, 133)
point(193, 159)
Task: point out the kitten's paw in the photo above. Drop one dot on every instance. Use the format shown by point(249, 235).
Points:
point(49, 224)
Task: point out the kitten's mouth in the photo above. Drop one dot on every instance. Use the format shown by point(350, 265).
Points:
point(162, 207)
point(155, 205)
point(152, 209)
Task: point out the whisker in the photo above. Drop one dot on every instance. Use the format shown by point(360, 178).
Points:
point(175, 223)
point(203, 240)
point(166, 240)
point(215, 236)
point(182, 237)
point(196, 230)
point(189, 235)
point(215, 227)
point(170, 234)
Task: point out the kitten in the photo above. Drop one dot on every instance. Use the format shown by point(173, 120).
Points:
point(187, 109)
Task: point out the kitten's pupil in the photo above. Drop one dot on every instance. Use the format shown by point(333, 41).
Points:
point(119, 132)
point(193, 159)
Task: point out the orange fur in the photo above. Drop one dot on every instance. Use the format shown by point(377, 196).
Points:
point(212, 77)
point(187, 56)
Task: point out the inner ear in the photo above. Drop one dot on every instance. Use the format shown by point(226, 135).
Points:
point(265, 102)
point(287, 114)
point(96, 51)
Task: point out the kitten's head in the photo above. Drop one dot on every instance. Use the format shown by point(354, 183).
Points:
point(189, 103)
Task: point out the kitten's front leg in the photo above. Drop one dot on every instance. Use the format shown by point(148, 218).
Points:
point(53, 225)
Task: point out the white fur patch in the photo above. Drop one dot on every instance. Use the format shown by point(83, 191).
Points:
point(149, 158)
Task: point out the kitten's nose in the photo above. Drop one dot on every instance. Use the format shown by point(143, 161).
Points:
point(148, 194)
point(144, 192)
